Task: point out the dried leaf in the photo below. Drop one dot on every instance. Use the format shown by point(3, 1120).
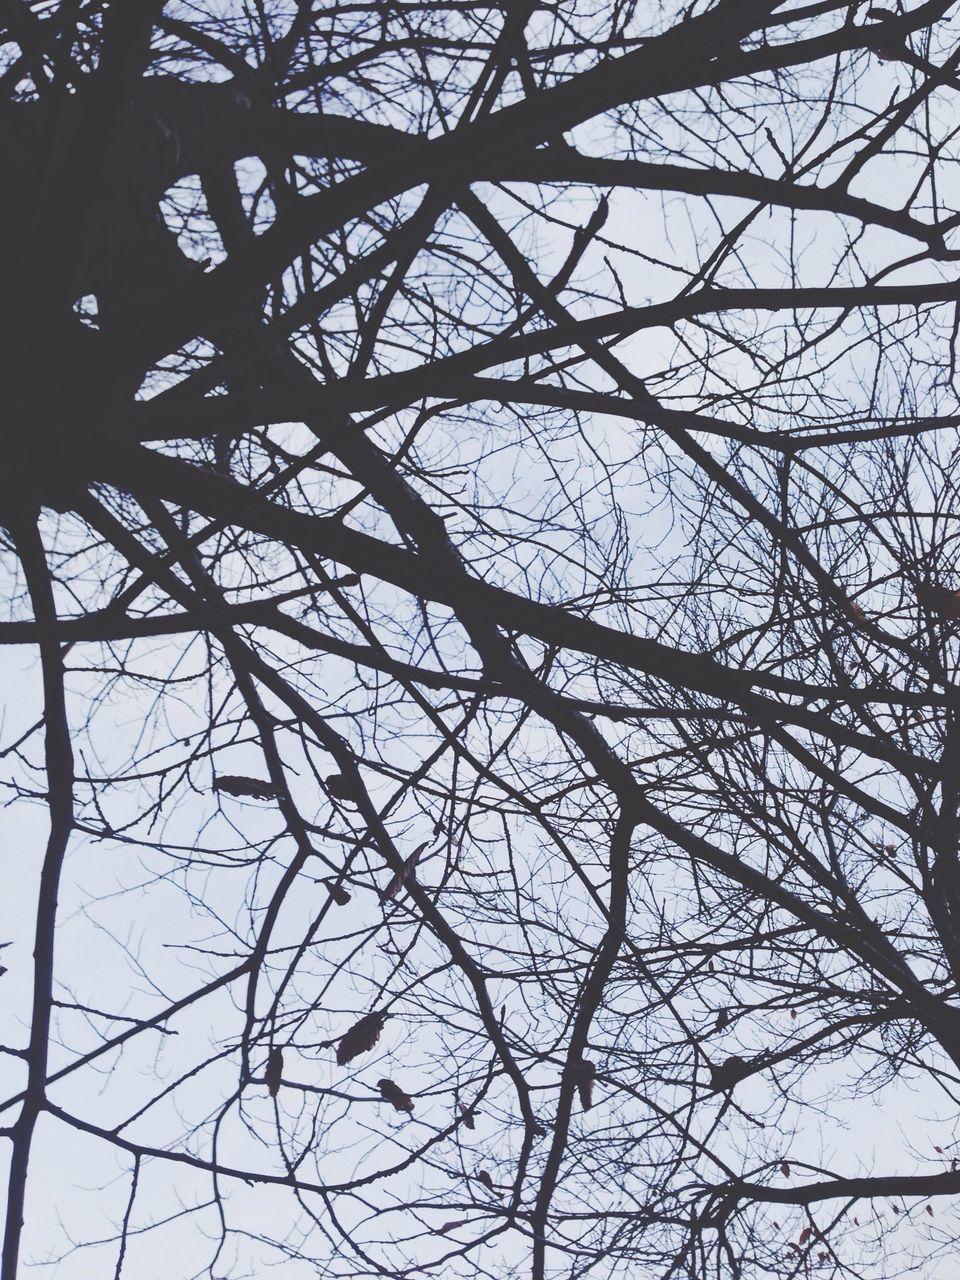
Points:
point(785, 1168)
point(255, 788)
point(940, 600)
point(452, 1226)
point(856, 615)
point(728, 1073)
point(402, 877)
point(340, 788)
point(360, 1038)
point(584, 1073)
point(337, 892)
point(466, 1115)
point(274, 1071)
point(930, 1210)
point(804, 1236)
point(793, 1015)
point(393, 1094)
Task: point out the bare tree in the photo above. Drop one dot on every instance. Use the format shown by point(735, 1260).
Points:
point(480, 522)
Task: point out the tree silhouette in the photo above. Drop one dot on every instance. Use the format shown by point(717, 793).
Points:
point(479, 513)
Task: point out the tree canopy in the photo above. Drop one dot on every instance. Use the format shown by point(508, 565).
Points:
point(479, 521)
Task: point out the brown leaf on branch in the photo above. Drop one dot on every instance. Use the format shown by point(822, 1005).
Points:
point(360, 1038)
point(393, 1094)
point(340, 788)
point(274, 1072)
point(337, 892)
point(940, 600)
point(402, 878)
point(726, 1075)
point(452, 1226)
point(467, 1116)
point(254, 788)
point(855, 613)
point(584, 1073)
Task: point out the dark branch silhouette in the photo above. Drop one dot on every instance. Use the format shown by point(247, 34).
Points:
point(481, 739)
